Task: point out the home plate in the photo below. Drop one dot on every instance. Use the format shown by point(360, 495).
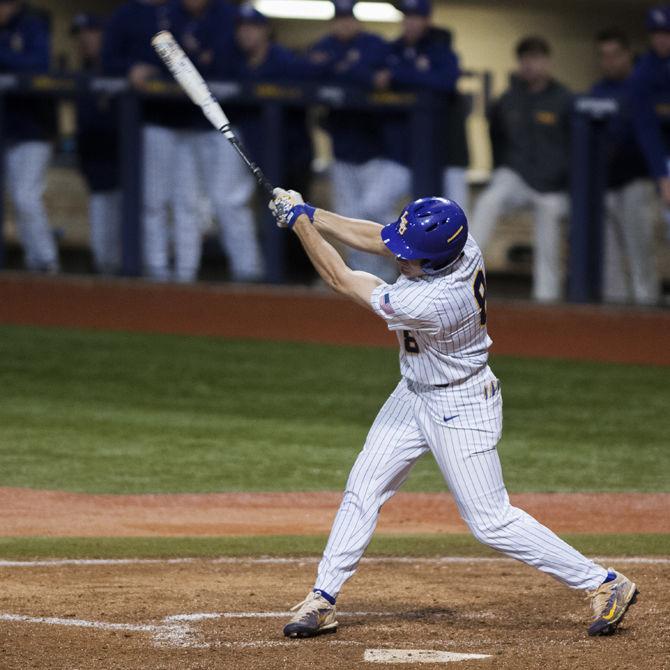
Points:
point(416, 656)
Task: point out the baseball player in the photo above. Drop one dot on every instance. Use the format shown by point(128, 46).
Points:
point(127, 52)
point(529, 127)
point(97, 142)
point(649, 91)
point(205, 29)
point(629, 221)
point(29, 125)
point(448, 402)
point(360, 175)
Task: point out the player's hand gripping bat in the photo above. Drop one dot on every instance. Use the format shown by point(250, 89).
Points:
point(195, 87)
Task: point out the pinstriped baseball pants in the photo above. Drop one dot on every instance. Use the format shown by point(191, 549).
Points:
point(460, 426)
point(26, 164)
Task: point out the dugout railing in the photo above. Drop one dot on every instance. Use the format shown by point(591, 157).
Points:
point(587, 173)
point(273, 98)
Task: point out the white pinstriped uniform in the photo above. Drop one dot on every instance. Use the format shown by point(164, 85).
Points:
point(443, 340)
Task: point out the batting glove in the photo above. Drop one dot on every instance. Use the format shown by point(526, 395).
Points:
point(287, 206)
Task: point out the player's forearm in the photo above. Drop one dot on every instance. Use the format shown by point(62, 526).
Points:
point(361, 235)
point(325, 259)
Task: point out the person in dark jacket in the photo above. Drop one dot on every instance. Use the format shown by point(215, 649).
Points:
point(262, 61)
point(423, 59)
point(29, 127)
point(530, 137)
point(97, 142)
point(348, 55)
point(629, 263)
point(650, 96)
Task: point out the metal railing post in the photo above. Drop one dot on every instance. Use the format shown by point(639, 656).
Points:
point(425, 180)
point(131, 167)
point(273, 239)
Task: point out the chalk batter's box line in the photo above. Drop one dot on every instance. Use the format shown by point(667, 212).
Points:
point(271, 560)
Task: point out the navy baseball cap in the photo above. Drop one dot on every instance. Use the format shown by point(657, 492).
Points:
point(416, 7)
point(658, 19)
point(344, 7)
point(247, 13)
point(85, 21)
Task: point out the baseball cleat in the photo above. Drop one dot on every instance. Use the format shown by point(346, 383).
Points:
point(609, 603)
point(313, 616)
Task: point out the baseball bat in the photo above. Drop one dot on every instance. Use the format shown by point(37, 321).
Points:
point(194, 86)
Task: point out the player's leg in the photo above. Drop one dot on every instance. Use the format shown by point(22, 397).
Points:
point(393, 445)
point(159, 164)
point(506, 191)
point(385, 185)
point(230, 187)
point(27, 163)
point(455, 186)
point(550, 210)
point(615, 285)
point(638, 218)
point(186, 207)
point(105, 221)
point(351, 186)
point(465, 450)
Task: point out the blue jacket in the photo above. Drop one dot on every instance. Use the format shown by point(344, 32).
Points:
point(430, 65)
point(128, 36)
point(24, 49)
point(127, 42)
point(280, 65)
point(356, 135)
point(650, 95)
point(209, 41)
point(626, 162)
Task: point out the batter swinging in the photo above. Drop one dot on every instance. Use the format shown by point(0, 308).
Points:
point(448, 402)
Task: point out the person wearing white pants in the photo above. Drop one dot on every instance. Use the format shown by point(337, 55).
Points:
point(164, 190)
point(97, 147)
point(28, 125)
point(25, 169)
point(530, 136)
point(370, 191)
point(508, 192)
point(447, 403)
point(629, 264)
point(104, 211)
point(207, 164)
point(630, 273)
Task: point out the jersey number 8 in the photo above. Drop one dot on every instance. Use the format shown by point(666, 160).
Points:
point(479, 288)
point(411, 345)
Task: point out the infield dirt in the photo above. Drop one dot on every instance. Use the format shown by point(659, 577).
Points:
point(519, 617)
point(28, 512)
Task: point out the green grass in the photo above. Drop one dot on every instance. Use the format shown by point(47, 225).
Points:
point(131, 413)
point(24, 548)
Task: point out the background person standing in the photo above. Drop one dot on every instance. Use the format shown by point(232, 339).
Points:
point(97, 148)
point(629, 260)
point(530, 137)
point(29, 126)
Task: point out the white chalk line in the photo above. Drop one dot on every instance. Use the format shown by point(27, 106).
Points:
point(176, 630)
point(272, 560)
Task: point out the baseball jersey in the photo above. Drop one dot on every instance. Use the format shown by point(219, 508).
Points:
point(440, 320)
